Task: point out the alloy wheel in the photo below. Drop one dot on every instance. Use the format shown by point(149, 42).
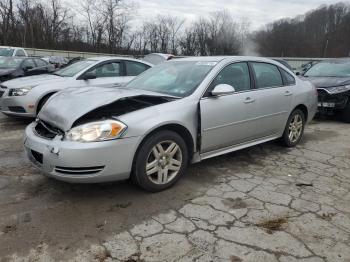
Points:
point(164, 162)
point(295, 128)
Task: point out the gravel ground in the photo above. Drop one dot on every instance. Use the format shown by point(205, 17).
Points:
point(266, 203)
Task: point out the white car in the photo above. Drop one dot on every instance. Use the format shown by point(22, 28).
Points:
point(25, 96)
point(12, 51)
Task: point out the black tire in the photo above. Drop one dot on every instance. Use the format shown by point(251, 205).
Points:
point(42, 103)
point(286, 140)
point(145, 153)
point(345, 114)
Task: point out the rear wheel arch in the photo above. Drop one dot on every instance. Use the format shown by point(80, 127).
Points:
point(304, 109)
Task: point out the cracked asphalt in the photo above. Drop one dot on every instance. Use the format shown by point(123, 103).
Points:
point(266, 203)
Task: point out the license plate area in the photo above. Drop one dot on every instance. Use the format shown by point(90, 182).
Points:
point(326, 104)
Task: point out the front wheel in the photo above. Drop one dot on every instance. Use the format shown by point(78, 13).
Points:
point(294, 129)
point(161, 161)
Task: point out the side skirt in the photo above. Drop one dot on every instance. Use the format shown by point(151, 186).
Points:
point(199, 157)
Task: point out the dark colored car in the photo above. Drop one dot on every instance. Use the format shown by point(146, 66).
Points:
point(284, 62)
point(13, 67)
point(332, 80)
point(74, 60)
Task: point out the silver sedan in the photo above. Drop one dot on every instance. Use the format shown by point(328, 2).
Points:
point(179, 112)
point(25, 96)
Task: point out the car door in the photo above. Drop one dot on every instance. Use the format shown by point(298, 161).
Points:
point(133, 69)
point(229, 119)
point(273, 98)
point(28, 67)
point(41, 66)
point(107, 74)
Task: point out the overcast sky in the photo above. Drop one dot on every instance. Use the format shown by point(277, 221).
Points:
point(260, 12)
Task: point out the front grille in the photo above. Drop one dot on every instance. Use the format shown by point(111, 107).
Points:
point(340, 99)
point(78, 170)
point(17, 109)
point(45, 130)
point(37, 156)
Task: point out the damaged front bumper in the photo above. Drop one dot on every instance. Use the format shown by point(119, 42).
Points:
point(329, 103)
point(78, 162)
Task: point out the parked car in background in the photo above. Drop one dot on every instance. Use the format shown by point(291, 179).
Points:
point(74, 60)
point(181, 111)
point(284, 62)
point(13, 67)
point(157, 58)
point(25, 96)
point(332, 79)
point(305, 67)
point(56, 61)
point(12, 51)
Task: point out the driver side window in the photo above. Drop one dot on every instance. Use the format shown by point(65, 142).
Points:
point(235, 75)
point(28, 63)
point(107, 70)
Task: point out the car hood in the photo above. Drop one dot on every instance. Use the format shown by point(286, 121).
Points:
point(35, 80)
point(6, 71)
point(64, 108)
point(326, 82)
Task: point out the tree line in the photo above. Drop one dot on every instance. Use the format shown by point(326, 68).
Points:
point(106, 26)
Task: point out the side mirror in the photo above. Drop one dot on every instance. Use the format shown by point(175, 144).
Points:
point(88, 76)
point(223, 89)
point(27, 68)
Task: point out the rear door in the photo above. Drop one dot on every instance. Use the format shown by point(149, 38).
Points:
point(108, 74)
point(133, 69)
point(41, 66)
point(273, 98)
point(229, 119)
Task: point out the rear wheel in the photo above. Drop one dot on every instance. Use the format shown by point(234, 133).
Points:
point(161, 161)
point(345, 114)
point(294, 129)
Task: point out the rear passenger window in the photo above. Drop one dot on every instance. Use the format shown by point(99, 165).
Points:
point(40, 63)
point(287, 78)
point(235, 75)
point(135, 68)
point(267, 75)
point(20, 52)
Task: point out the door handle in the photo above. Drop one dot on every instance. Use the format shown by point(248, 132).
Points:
point(288, 93)
point(249, 100)
point(117, 85)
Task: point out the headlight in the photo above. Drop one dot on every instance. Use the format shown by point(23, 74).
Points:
point(20, 91)
point(96, 131)
point(338, 89)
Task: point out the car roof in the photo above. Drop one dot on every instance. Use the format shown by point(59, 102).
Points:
point(221, 58)
point(11, 47)
point(107, 58)
point(337, 60)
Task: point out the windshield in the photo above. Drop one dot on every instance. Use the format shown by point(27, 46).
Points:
point(9, 62)
point(330, 69)
point(174, 78)
point(6, 51)
point(75, 68)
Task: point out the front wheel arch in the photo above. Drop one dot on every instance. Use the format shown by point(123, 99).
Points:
point(177, 128)
point(42, 101)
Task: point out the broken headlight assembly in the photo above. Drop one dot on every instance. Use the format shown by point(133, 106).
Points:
point(338, 89)
point(96, 131)
point(20, 91)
